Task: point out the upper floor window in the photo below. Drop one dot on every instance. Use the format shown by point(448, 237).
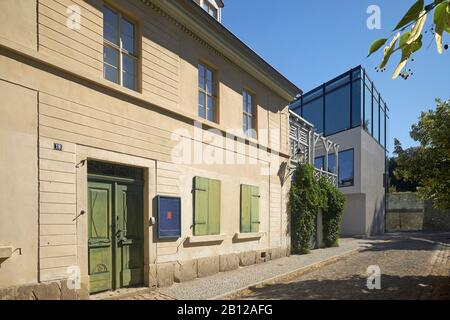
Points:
point(119, 49)
point(206, 93)
point(249, 114)
point(209, 7)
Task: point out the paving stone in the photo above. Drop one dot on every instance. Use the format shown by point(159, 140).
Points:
point(7, 294)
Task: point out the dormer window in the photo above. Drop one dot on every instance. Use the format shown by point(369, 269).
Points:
point(208, 7)
point(212, 7)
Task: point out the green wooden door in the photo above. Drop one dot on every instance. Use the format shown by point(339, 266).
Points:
point(129, 231)
point(100, 236)
point(115, 235)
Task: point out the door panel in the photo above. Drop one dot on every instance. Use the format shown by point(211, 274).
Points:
point(129, 217)
point(100, 240)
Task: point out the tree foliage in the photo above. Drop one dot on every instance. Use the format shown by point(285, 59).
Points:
point(398, 184)
point(408, 36)
point(429, 163)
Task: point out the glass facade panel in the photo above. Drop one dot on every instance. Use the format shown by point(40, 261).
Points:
point(332, 163)
point(312, 95)
point(319, 162)
point(337, 83)
point(313, 112)
point(346, 168)
point(357, 103)
point(382, 128)
point(368, 110)
point(376, 118)
point(337, 110)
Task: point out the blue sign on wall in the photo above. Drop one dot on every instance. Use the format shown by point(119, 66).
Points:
point(169, 217)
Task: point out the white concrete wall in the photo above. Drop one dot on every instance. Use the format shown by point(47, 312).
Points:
point(364, 210)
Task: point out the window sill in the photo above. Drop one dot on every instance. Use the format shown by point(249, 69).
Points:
point(5, 252)
point(248, 236)
point(206, 239)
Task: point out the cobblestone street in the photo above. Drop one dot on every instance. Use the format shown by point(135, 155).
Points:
point(412, 267)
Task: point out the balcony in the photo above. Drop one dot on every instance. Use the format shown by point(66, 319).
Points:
point(304, 141)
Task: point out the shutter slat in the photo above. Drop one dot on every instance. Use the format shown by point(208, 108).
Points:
point(245, 209)
point(200, 206)
point(255, 196)
point(214, 207)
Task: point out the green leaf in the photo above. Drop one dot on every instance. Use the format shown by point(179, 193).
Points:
point(440, 17)
point(416, 31)
point(376, 45)
point(406, 53)
point(412, 14)
point(388, 51)
point(404, 38)
point(416, 45)
point(447, 19)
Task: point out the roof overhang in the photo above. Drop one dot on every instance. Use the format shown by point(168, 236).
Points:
point(189, 14)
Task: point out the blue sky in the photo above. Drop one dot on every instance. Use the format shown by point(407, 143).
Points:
point(311, 42)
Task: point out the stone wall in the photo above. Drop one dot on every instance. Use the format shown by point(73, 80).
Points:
point(406, 212)
point(164, 275)
point(57, 290)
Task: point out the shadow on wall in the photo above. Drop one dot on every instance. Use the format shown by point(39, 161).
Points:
point(378, 220)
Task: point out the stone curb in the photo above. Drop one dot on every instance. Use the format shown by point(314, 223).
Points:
point(298, 272)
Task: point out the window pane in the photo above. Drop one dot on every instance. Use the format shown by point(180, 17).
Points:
point(201, 77)
point(111, 64)
point(250, 104)
point(376, 119)
point(110, 25)
point(338, 83)
point(382, 129)
point(128, 36)
point(319, 163)
point(201, 105)
point(129, 72)
point(368, 110)
point(346, 170)
point(244, 123)
point(313, 112)
point(209, 81)
point(357, 96)
point(210, 107)
point(211, 115)
point(312, 95)
point(337, 110)
point(332, 163)
point(244, 101)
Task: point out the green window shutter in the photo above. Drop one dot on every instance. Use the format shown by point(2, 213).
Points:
point(214, 207)
point(201, 207)
point(246, 205)
point(255, 196)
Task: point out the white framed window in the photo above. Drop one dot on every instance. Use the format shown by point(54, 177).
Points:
point(249, 114)
point(120, 59)
point(211, 8)
point(207, 97)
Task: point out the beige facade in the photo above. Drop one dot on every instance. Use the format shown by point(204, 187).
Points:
point(53, 91)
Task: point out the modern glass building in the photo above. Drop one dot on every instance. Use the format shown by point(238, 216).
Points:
point(348, 101)
point(351, 112)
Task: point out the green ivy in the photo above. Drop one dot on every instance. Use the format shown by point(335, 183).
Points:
point(304, 200)
point(332, 210)
point(307, 197)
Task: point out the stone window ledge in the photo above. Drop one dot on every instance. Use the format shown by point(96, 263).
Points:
point(248, 236)
point(198, 240)
point(5, 252)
